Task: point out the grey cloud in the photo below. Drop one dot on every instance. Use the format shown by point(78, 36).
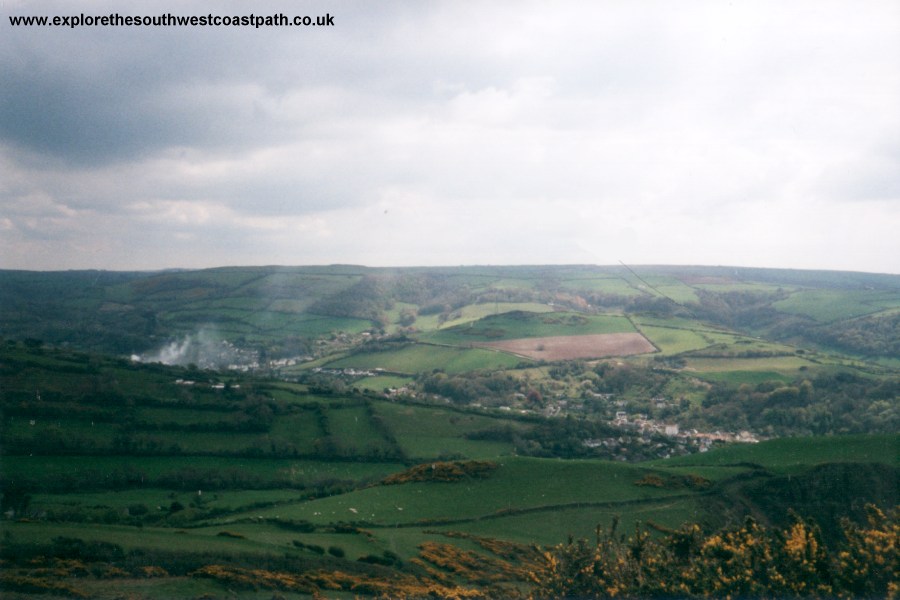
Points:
point(237, 146)
point(92, 97)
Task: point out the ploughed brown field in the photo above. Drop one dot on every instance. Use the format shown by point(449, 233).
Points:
point(565, 347)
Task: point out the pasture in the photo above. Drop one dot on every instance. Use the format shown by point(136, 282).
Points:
point(747, 370)
point(606, 285)
point(833, 305)
point(553, 525)
point(518, 324)
point(671, 341)
point(430, 432)
point(381, 382)
point(417, 358)
point(789, 454)
point(518, 485)
point(474, 312)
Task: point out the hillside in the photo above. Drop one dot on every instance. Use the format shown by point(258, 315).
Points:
point(353, 431)
point(202, 480)
point(282, 311)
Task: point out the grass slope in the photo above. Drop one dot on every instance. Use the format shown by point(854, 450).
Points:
point(788, 454)
point(417, 358)
point(518, 324)
point(518, 485)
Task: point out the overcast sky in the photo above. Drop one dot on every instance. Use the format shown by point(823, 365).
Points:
point(743, 133)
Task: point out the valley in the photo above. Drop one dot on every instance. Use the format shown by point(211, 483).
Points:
point(340, 431)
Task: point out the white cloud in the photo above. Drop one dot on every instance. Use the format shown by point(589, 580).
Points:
point(747, 133)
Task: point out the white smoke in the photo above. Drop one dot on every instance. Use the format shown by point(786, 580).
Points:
point(205, 348)
point(177, 353)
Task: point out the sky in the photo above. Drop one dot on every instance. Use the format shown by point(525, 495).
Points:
point(742, 133)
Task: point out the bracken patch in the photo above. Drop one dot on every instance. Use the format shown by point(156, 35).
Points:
point(443, 472)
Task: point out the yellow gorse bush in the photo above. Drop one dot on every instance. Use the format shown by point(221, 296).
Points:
point(749, 561)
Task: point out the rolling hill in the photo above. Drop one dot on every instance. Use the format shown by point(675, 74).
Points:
point(129, 471)
point(352, 431)
point(283, 311)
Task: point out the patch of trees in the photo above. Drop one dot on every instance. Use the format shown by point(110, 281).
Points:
point(833, 403)
point(286, 347)
point(433, 289)
point(470, 387)
point(827, 404)
point(878, 335)
point(54, 440)
point(500, 433)
point(722, 351)
point(315, 548)
point(653, 305)
point(512, 295)
point(384, 344)
point(830, 492)
point(82, 479)
point(386, 559)
point(739, 310)
point(618, 379)
point(608, 300)
point(366, 299)
point(237, 425)
point(82, 324)
point(875, 335)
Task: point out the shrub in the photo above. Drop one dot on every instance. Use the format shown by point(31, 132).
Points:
point(444, 472)
point(749, 561)
point(231, 534)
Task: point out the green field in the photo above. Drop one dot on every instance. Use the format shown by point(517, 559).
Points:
point(788, 454)
point(301, 430)
point(473, 312)
point(381, 382)
point(515, 325)
point(734, 369)
point(751, 377)
point(353, 431)
point(99, 472)
point(519, 484)
point(606, 285)
point(554, 525)
point(426, 357)
point(675, 341)
point(426, 432)
point(738, 286)
point(831, 305)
